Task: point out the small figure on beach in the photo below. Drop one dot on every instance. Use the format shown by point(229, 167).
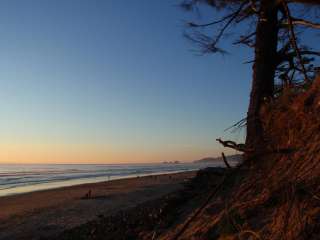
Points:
point(87, 195)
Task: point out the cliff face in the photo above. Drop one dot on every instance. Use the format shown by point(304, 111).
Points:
point(276, 195)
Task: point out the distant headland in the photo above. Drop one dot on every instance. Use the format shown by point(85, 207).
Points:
point(235, 158)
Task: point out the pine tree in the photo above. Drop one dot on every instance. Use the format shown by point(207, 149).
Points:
point(279, 56)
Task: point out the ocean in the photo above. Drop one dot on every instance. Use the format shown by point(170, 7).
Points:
point(23, 178)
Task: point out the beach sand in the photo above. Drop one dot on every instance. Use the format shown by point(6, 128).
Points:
point(47, 213)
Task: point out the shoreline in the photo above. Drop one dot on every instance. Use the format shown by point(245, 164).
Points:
point(48, 212)
point(76, 182)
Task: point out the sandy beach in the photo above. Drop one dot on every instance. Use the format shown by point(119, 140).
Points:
point(47, 213)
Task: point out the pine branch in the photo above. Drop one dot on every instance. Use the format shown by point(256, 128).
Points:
point(293, 38)
point(297, 21)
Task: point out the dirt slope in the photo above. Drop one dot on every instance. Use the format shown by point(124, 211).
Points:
point(276, 195)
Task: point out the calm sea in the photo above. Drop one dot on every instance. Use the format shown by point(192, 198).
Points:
point(15, 179)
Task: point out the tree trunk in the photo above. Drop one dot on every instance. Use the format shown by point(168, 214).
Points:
point(263, 70)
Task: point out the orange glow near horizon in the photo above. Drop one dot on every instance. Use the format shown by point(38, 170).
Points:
point(89, 154)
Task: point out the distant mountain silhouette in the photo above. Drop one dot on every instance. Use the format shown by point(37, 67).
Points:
point(235, 157)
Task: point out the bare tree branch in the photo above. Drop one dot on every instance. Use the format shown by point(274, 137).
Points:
point(210, 44)
point(236, 13)
point(225, 160)
point(289, 56)
point(234, 145)
point(297, 21)
point(302, 22)
point(246, 40)
point(293, 38)
point(192, 24)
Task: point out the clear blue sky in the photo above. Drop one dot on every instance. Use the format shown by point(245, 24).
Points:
point(114, 76)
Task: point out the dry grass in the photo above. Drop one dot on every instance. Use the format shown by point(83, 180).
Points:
point(279, 198)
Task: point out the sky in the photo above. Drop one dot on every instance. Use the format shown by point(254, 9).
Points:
point(93, 81)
